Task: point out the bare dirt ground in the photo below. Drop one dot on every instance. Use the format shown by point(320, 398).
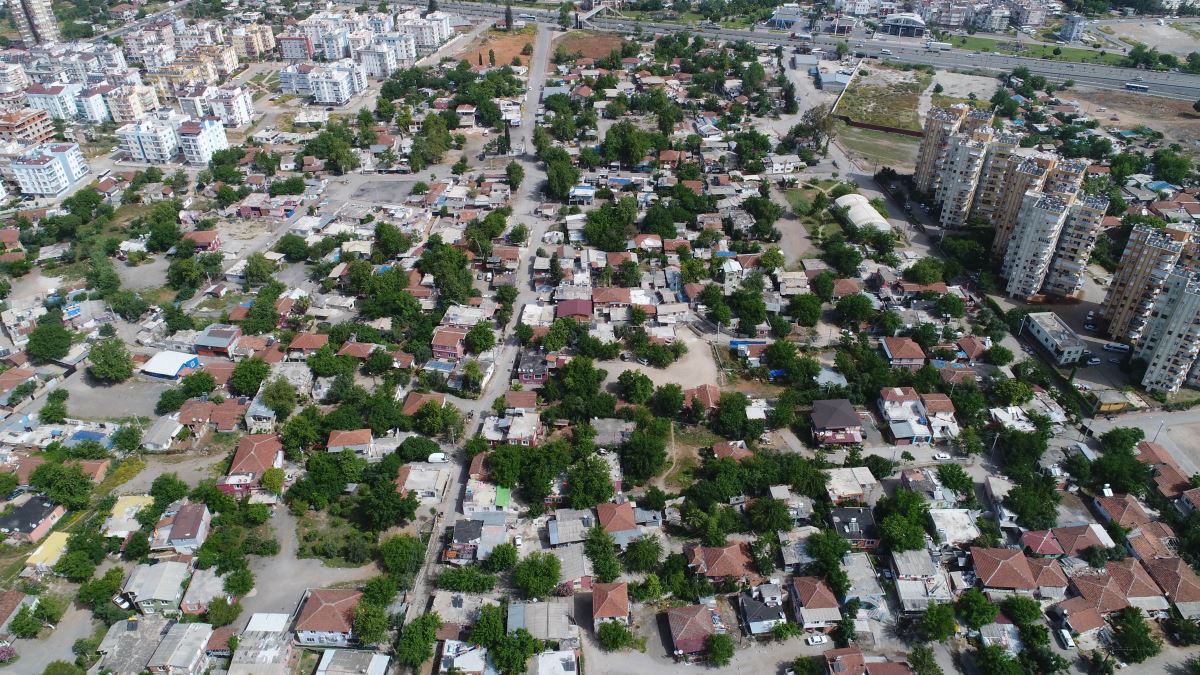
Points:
point(590, 45)
point(1177, 120)
point(1169, 38)
point(505, 45)
point(961, 85)
point(695, 368)
point(887, 96)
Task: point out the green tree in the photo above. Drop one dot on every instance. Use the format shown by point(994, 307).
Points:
point(537, 575)
point(975, 609)
point(24, 624)
point(1011, 392)
point(248, 375)
point(769, 515)
point(197, 384)
point(401, 556)
point(718, 648)
point(417, 638)
point(635, 387)
point(221, 612)
point(280, 396)
point(805, 309)
point(49, 341)
point(480, 338)
point(854, 309)
point(643, 554)
point(503, 558)
point(370, 624)
point(111, 361)
point(937, 623)
point(515, 174)
point(239, 582)
point(66, 485)
point(272, 480)
point(923, 662)
point(998, 355)
point(1132, 636)
point(589, 482)
point(614, 636)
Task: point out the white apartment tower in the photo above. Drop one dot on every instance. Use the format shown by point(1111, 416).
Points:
point(35, 21)
point(199, 139)
point(50, 169)
point(1027, 260)
point(959, 176)
point(1149, 258)
point(1075, 245)
point(1171, 340)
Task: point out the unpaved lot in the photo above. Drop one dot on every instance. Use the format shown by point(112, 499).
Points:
point(1178, 37)
point(1178, 122)
point(960, 85)
point(695, 368)
point(505, 45)
point(885, 96)
point(587, 44)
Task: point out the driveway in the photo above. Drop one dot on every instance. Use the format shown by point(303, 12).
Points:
point(282, 579)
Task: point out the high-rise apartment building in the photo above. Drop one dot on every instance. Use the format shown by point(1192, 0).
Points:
point(49, 169)
point(35, 21)
point(1051, 243)
point(1075, 244)
point(1170, 341)
point(994, 174)
point(940, 125)
point(959, 176)
point(1149, 258)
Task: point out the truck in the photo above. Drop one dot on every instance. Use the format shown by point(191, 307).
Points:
point(938, 46)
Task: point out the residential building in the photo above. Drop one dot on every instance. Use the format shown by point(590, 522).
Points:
point(326, 617)
point(199, 139)
point(1148, 260)
point(337, 83)
point(1031, 247)
point(56, 99)
point(35, 21)
point(233, 105)
point(128, 646)
point(856, 524)
point(49, 170)
point(960, 172)
point(902, 352)
point(940, 125)
point(26, 126)
point(31, 521)
point(1055, 336)
point(610, 602)
point(836, 422)
point(182, 650)
point(690, 627)
point(761, 610)
point(814, 604)
point(1072, 28)
point(1003, 570)
point(183, 528)
point(1170, 341)
point(156, 589)
point(295, 47)
point(153, 140)
point(993, 176)
point(852, 484)
point(1076, 241)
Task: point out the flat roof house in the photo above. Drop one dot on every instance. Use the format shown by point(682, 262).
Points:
point(1055, 336)
point(855, 483)
point(156, 589)
point(170, 365)
point(32, 520)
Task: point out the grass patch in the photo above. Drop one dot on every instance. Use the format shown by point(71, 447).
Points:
point(1186, 28)
point(122, 473)
point(682, 474)
point(800, 199)
point(892, 104)
point(944, 101)
point(333, 540)
point(695, 435)
point(1070, 54)
point(258, 94)
point(878, 147)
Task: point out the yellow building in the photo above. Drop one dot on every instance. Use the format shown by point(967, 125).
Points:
point(44, 557)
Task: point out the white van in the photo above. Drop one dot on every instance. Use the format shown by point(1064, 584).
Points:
point(1116, 347)
point(885, 52)
point(437, 458)
point(1064, 636)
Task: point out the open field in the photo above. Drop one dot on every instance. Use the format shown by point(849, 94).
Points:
point(1177, 37)
point(885, 96)
point(1177, 121)
point(1046, 51)
point(587, 43)
point(958, 87)
point(879, 148)
point(505, 45)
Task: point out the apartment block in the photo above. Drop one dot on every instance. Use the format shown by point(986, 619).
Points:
point(959, 176)
point(1024, 176)
point(940, 125)
point(12, 77)
point(234, 106)
point(199, 139)
point(92, 104)
point(1075, 245)
point(154, 140)
point(35, 21)
point(997, 163)
point(130, 103)
point(26, 126)
point(377, 61)
point(1148, 259)
point(336, 84)
point(252, 41)
point(56, 99)
point(49, 169)
point(1031, 247)
point(1053, 334)
point(1170, 341)
point(295, 47)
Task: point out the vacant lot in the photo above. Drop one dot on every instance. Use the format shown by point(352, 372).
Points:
point(1177, 37)
point(505, 45)
point(1038, 51)
point(879, 148)
point(885, 96)
point(587, 44)
point(1178, 122)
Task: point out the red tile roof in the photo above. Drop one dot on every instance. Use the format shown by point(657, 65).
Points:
point(721, 561)
point(1124, 510)
point(255, 454)
point(328, 610)
point(309, 341)
point(616, 517)
point(814, 593)
point(416, 399)
point(610, 601)
point(341, 437)
point(690, 627)
point(1175, 578)
point(708, 394)
point(1002, 568)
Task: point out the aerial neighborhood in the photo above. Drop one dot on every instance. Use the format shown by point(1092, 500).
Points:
point(846, 338)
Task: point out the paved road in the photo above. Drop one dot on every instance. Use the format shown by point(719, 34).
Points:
point(1171, 85)
point(76, 624)
point(524, 203)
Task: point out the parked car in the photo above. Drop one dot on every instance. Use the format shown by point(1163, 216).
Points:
point(942, 456)
point(1093, 361)
point(816, 639)
point(1089, 326)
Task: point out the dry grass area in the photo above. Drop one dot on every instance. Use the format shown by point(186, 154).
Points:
point(1178, 122)
point(588, 44)
point(885, 96)
point(505, 45)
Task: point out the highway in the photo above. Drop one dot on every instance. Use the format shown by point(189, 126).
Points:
point(1180, 86)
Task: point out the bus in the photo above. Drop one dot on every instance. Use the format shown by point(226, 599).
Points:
point(1135, 86)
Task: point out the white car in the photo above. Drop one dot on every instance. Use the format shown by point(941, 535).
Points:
point(816, 639)
point(1093, 361)
point(942, 456)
